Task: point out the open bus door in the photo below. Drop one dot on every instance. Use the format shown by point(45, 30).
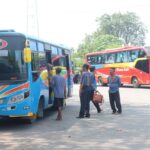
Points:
point(49, 57)
point(49, 61)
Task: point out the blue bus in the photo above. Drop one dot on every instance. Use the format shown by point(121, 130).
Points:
point(24, 87)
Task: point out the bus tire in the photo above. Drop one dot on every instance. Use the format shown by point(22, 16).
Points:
point(40, 112)
point(100, 81)
point(135, 82)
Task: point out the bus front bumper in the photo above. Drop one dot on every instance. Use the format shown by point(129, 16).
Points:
point(22, 109)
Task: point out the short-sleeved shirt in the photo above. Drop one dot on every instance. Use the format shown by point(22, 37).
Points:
point(114, 84)
point(59, 84)
point(94, 84)
point(86, 79)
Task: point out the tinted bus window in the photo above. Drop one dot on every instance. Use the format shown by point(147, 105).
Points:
point(143, 65)
point(33, 45)
point(59, 51)
point(40, 47)
point(42, 60)
point(54, 50)
point(132, 55)
point(99, 59)
point(141, 53)
point(92, 60)
point(35, 62)
point(121, 57)
point(110, 58)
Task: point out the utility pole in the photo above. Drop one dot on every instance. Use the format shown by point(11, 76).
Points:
point(32, 27)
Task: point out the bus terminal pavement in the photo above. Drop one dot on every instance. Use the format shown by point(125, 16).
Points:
point(102, 131)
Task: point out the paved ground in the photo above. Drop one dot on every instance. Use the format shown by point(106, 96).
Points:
point(129, 131)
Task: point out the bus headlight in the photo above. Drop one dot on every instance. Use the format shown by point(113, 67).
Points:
point(16, 98)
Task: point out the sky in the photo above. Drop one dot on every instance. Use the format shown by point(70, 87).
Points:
point(65, 21)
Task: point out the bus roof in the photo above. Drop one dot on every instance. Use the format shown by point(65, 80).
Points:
point(13, 33)
point(128, 48)
point(10, 33)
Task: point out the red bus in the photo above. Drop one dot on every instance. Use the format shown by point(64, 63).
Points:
point(132, 64)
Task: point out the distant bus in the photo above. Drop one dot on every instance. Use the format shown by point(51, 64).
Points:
point(24, 90)
point(131, 63)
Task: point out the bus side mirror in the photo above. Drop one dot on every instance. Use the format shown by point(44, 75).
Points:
point(27, 55)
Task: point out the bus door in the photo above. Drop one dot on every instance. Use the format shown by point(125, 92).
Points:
point(49, 61)
point(49, 57)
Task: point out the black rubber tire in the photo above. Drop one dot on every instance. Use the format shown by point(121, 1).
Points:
point(135, 82)
point(40, 112)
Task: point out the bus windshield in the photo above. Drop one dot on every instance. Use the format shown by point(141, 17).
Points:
point(12, 66)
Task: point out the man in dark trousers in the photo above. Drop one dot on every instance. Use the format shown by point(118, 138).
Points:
point(94, 87)
point(114, 96)
point(84, 92)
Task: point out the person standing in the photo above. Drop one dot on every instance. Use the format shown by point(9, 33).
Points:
point(84, 92)
point(114, 96)
point(59, 86)
point(94, 87)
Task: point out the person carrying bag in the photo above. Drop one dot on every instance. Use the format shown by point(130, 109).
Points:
point(95, 98)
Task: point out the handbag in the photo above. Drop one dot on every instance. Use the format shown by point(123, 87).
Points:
point(98, 97)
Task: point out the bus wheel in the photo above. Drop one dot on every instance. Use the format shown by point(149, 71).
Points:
point(135, 82)
point(100, 81)
point(40, 112)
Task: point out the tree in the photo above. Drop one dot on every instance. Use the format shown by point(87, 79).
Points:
point(126, 27)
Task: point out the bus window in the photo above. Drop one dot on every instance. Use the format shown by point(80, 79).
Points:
point(54, 50)
point(143, 65)
point(110, 58)
point(35, 62)
point(132, 55)
point(42, 61)
point(99, 59)
point(91, 59)
point(60, 51)
point(40, 47)
point(104, 58)
point(141, 54)
point(121, 57)
point(33, 46)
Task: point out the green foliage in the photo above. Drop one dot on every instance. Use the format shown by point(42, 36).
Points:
point(113, 31)
point(127, 27)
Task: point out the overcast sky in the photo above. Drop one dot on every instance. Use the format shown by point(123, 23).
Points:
point(66, 21)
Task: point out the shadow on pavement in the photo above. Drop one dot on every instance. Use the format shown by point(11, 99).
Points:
point(102, 131)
